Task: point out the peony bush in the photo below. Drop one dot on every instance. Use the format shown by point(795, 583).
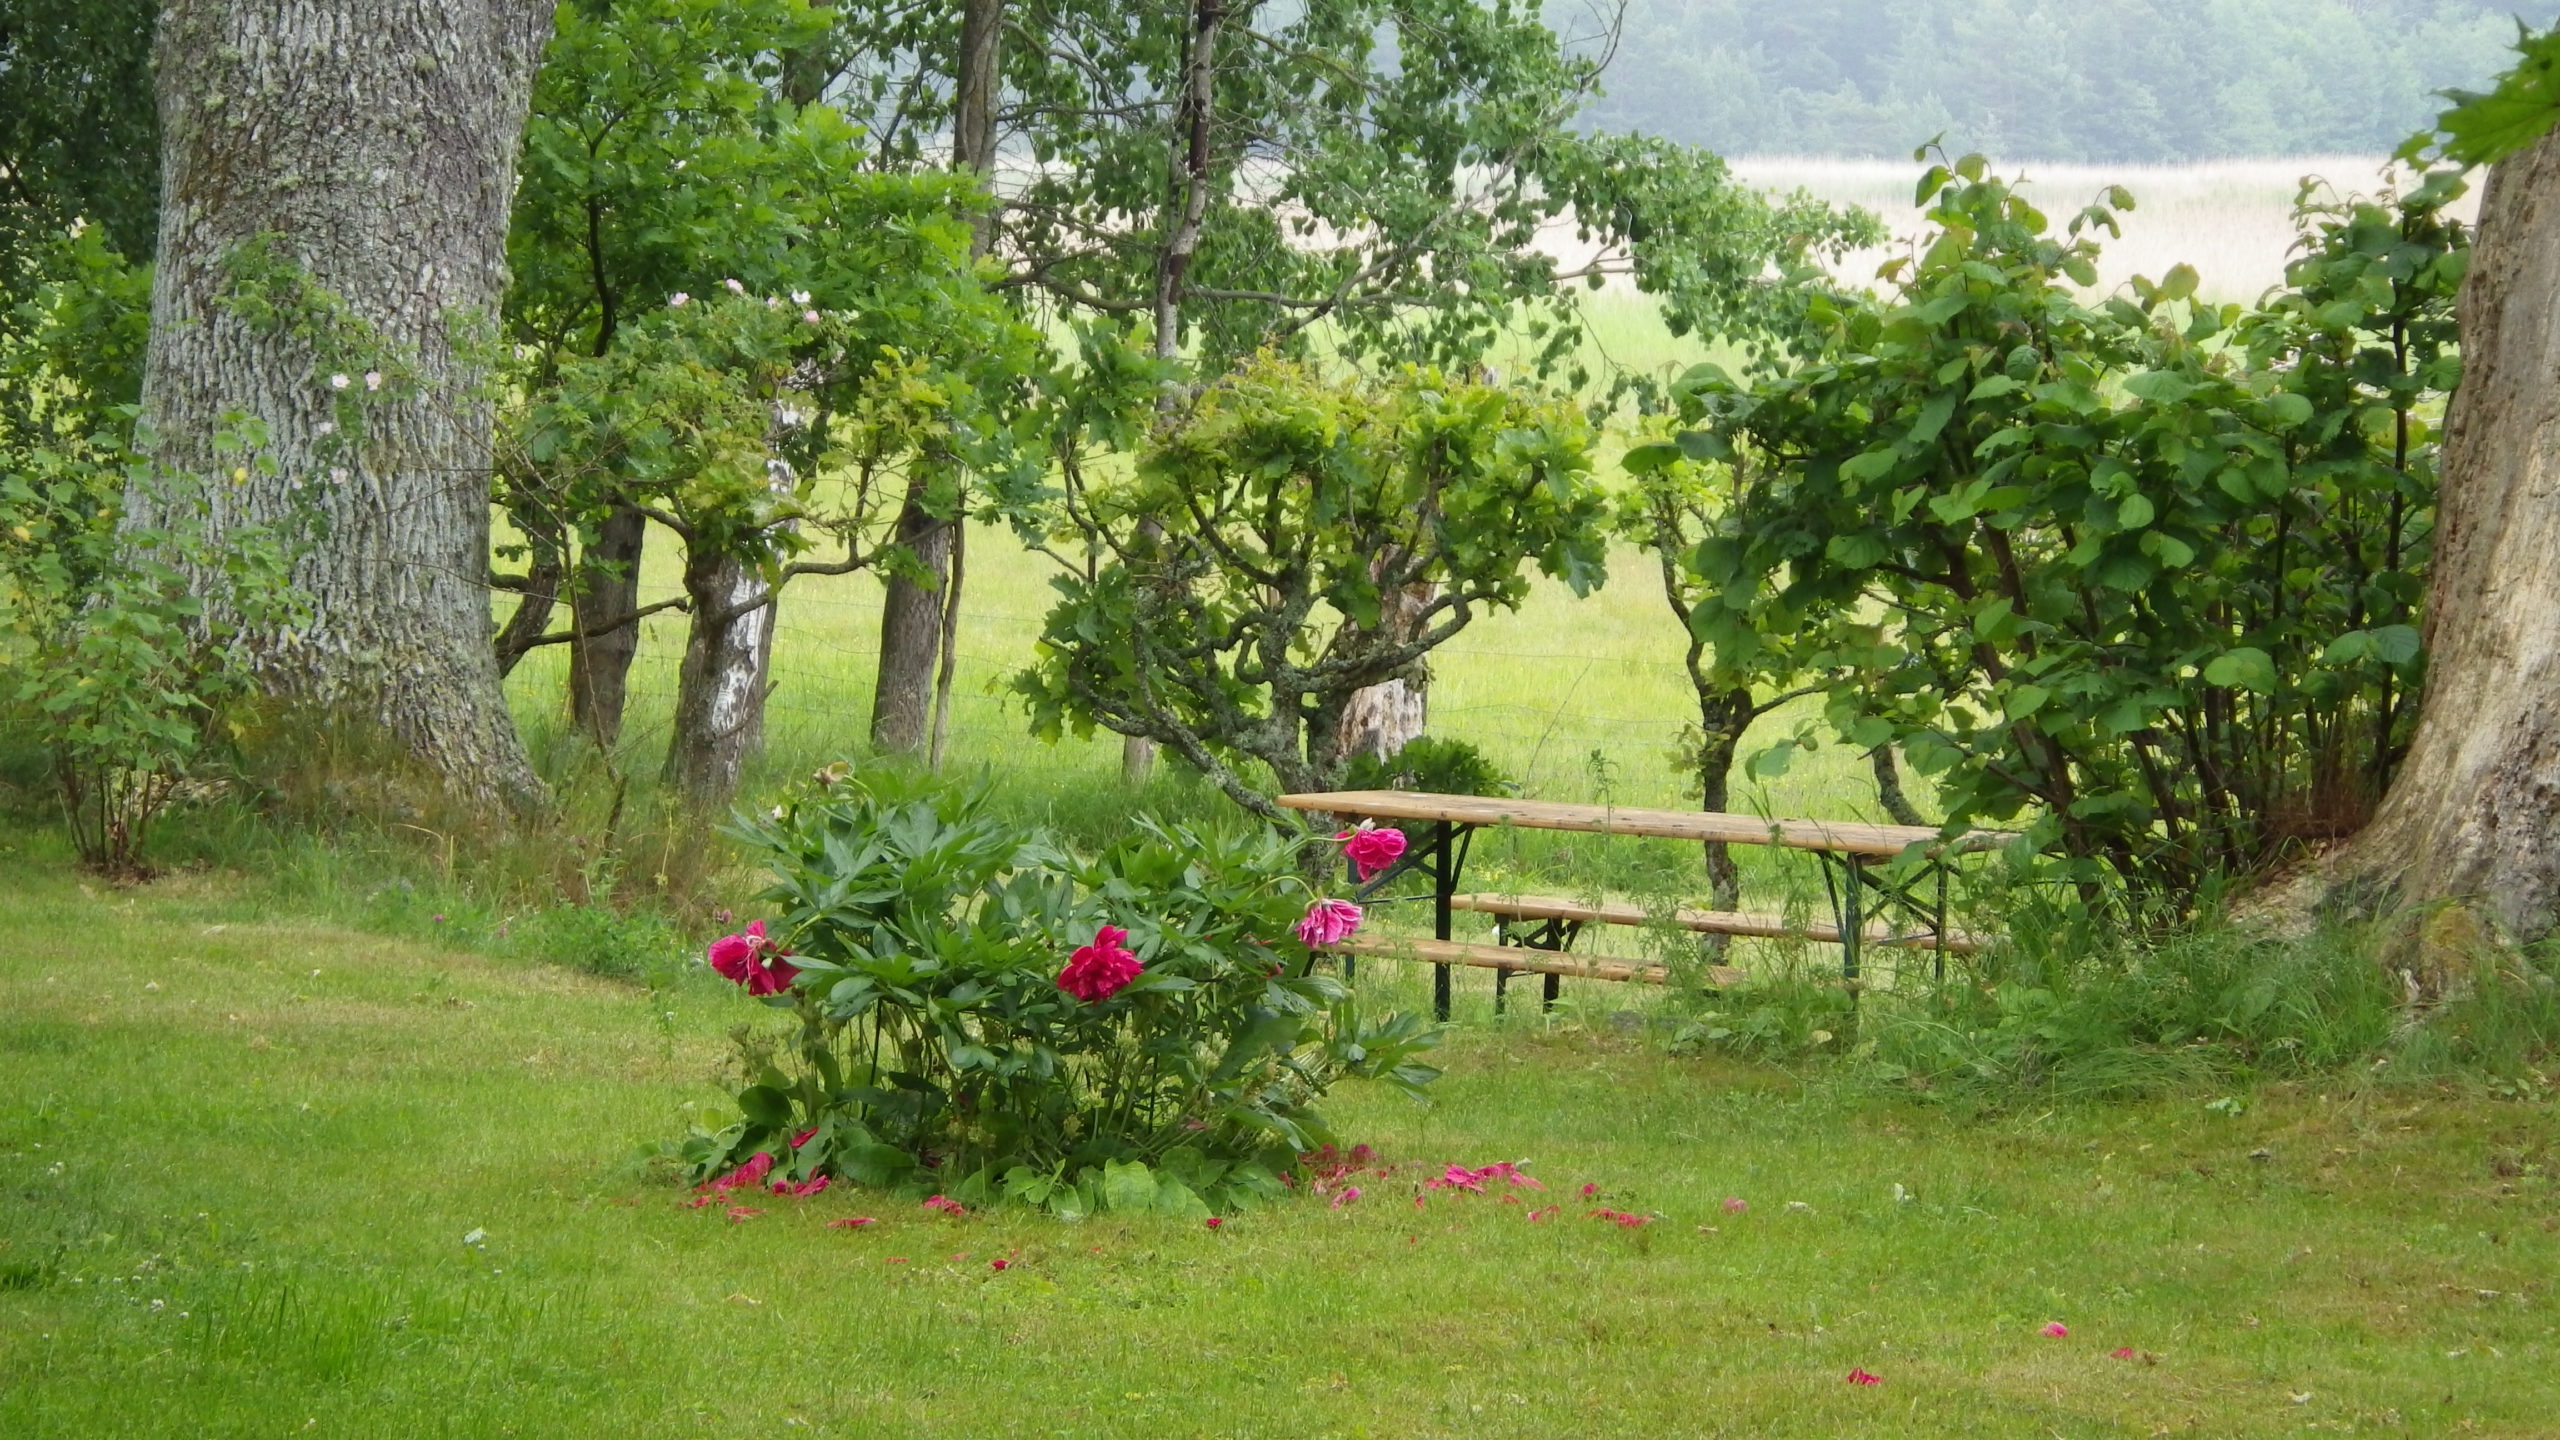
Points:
point(977, 1012)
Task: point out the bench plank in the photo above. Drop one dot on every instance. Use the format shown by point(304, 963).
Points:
point(1840, 837)
point(1521, 960)
point(1715, 922)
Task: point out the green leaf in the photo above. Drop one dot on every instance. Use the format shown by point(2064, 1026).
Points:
point(1128, 1187)
point(2244, 668)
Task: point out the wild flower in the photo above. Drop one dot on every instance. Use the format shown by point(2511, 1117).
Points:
point(338, 382)
point(1372, 847)
point(373, 379)
point(799, 297)
point(1329, 922)
point(1098, 971)
point(808, 317)
point(678, 300)
point(735, 288)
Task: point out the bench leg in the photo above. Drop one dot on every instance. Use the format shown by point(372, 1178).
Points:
point(1501, 989)
point(1555, 984)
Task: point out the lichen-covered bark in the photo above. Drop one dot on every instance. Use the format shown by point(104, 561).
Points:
point(375, 142)
point(2472, 812)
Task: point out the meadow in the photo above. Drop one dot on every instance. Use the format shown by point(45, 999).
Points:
point(268, 1176)
point(352, 1127)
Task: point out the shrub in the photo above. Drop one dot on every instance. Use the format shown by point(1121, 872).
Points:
point(1432, 765)
point(980, 1012)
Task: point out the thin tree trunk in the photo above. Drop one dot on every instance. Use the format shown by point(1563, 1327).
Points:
point(540, 596)
point(727, 672)
point(607, 584)
point(2471, 814)
point(375, 143)
point(911, 629)
point(1193, 152)
point(950, 641)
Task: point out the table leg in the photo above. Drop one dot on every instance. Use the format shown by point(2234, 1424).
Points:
point(1444, 874)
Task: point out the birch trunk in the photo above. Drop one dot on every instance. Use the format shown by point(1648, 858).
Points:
point(376, 143)
point(2471, 814)
point(728, 667)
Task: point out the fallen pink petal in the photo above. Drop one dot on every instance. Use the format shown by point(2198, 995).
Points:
point(2121, 1352)
point(2056, 1329)
point(1861, 1377)
point(1735, 1204)
point(852, 1222)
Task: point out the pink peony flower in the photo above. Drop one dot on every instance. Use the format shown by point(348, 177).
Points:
point(1371, 848)
point(1098, 971)
point(2056, 1329)
point(751, 960)
point(1329, 922)
point(1861, 1377)
point(1735, 1204)
point(852, 1222)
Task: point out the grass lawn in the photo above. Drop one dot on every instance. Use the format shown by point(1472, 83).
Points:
point(239, 1159)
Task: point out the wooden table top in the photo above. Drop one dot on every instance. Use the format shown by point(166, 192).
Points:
point(1840, 837)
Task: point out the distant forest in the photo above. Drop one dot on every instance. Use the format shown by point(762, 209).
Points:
point(2115, 80)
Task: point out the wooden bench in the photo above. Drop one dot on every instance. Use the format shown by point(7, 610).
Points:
point(1867, 869)
point(1520, 960)
point(1707, 922)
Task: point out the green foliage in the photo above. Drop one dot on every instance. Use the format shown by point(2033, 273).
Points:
point(1230, 596)
point(1368, 175)
point(124, 646)
point(2143, 573)
point(2162, 81)
point(1431, 764)
point(934, 1043)
point(2484, 128)
point(79, 133)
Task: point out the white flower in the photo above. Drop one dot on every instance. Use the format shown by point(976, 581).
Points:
point(809, 316)
point(799, 297)
point(337, 382)
point(677, 300)
point(475, 1237)
point(734, 287)
point(328, 427)
point(373, 379)
point(773, 302)
point(337, 474)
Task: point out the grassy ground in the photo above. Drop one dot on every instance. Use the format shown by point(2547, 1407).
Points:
point(240, 1157)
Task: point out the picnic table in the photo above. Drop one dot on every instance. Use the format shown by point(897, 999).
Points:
point(1534, 932)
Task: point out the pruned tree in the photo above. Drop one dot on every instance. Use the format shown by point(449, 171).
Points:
point(337, 178)
point(1231, 605)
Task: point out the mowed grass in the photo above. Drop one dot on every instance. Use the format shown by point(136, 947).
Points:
point(239, 1158)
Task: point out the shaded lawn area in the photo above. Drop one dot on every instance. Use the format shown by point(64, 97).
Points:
point(238, 1160)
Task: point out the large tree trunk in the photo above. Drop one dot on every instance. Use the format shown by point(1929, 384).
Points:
point(1383, 718)
point(607, 584)
point(2472, 813)
point(376, 142)
point(914, 612)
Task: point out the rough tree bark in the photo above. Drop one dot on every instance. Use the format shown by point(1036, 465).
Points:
point(375, 142)
point(728, 666)
point(607, 584)
point(1385, 717)
point(2471, 814)
point(914, 613)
